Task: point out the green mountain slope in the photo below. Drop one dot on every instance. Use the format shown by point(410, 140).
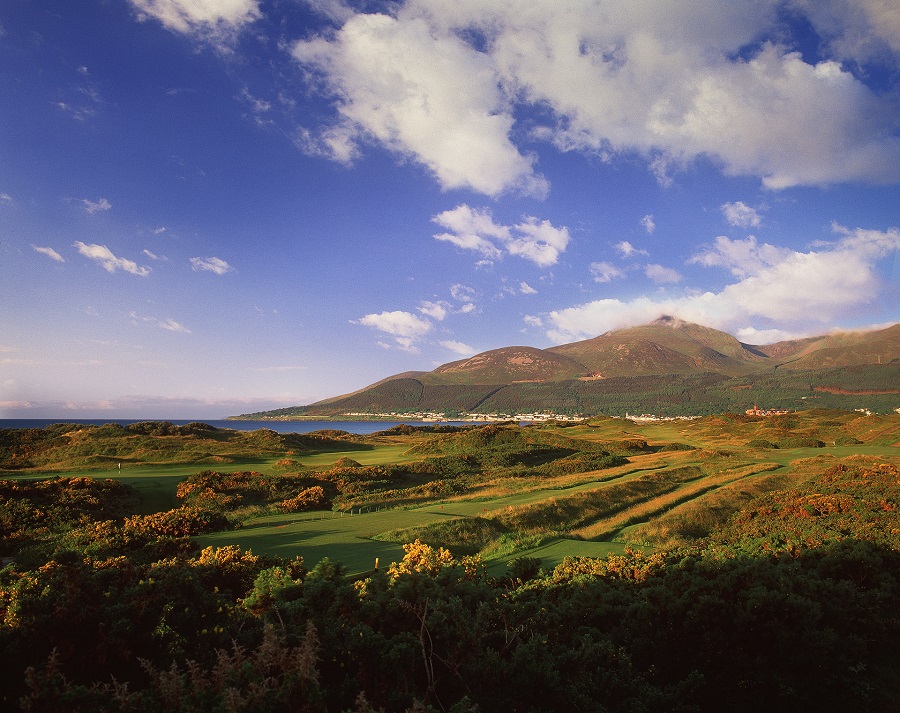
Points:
point(669, 367)
point(510, 364)
point(667, 346)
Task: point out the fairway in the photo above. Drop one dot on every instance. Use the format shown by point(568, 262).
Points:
point(156, 483)
point(347, 538)
point(632, 501)
point(325, 533)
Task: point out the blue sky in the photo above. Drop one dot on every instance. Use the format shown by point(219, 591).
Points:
point(208, 208)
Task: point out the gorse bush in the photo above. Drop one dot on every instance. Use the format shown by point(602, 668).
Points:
point(185, 521)
point(308, 499)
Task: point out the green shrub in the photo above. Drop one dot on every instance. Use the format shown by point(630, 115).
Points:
point(761, 443)
point(800, 442)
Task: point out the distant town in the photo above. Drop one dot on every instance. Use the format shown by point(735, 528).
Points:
point(542, 417)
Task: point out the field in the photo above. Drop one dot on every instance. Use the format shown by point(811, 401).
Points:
point(606, 566)
point(674, 481)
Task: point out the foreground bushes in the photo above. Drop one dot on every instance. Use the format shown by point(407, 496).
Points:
point(814, 631)
point(790, 607)
point(180, 522)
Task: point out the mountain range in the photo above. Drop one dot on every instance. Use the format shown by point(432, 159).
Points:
point(668, 367)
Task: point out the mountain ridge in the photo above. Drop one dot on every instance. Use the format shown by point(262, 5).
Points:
point(673, 363)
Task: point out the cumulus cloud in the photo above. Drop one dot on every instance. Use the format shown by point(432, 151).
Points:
point(605, 271)
point(405, 327)
point(538, 241)
point(49, 252)
point(109, 262)
point(458, 347)
point(740, 215)
point(472, 229)
point(626, 249)
point(778, 289)
point(856, 30)
point(154, 256)
point(215, 21)
point(659, 273)
point(421, 91)
point(97, 206)
point(462, 293)
point(441, 83)
point(526, 289)
point(436, 310)
point(211, 264)
point(532, 239)
point(648, 223)
point(5, 198)
point(741, 257)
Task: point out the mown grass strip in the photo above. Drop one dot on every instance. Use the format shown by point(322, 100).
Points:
point(565, 514)
point(606, 529)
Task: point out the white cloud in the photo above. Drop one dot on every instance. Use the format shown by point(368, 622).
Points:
point(335, 142)
point(458, 347)
point(467, 308)
point(91, 207)
point(256, 105)
point(648, 223)
point(742, 257)
point(405, 327)
point(5, 198)
point(170, 325)
point(672, 82)
point(436, 310)
point(778, 289)
point(462, 293)
point(659, 273)
point(538, 241)
point(111, 263)
point(153, 256)
point(533, 320)
point(626, 249)
point(397, 323)
point(49, 252)
point(605, 271)
point(532, 239)
point(16, 405)
point(472, 229)
point(526, 289)
point(81, 100)
point(211, 264)
point(751, 335)
point(215, 21)
point(740, 215)
point(421, 91)
point(857, 30)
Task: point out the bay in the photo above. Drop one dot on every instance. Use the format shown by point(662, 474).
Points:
point(357, 427)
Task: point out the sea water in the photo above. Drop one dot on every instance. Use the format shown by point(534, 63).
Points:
point(358, 427)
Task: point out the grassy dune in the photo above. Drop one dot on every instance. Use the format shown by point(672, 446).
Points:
point(501, 491)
